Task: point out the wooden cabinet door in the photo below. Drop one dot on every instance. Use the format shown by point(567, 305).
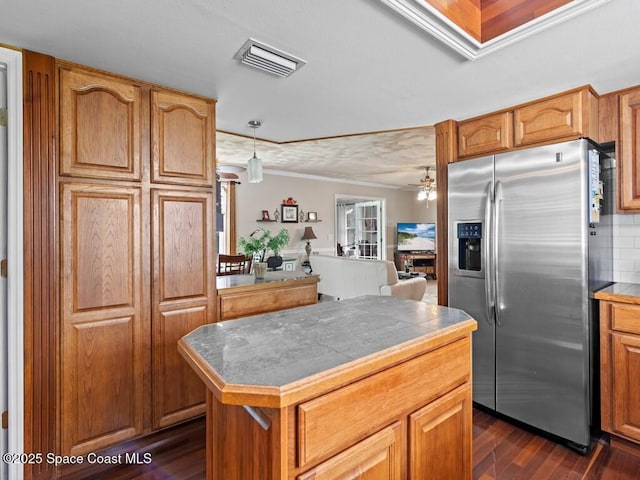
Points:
point(440, 438)
point(101, 345)
point(100, 126)
point(564, 117)
point(493, 133)
point(183, 283)
point(629, 152)
point(378, 457)
point(182, 139)
point(626, 386)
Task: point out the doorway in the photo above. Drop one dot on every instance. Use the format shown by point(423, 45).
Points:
point(360, 223)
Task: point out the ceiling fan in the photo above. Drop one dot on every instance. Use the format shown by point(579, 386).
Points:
point(427, 186)
point(228, 171)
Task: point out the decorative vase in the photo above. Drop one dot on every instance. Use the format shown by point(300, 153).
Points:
point(274, 262)
point(259, 269)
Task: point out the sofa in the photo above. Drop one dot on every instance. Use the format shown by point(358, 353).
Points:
point(344, 277)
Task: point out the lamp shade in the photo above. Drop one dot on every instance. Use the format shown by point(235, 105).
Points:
point(254, 167)
point(308, 234)
point(254, 172)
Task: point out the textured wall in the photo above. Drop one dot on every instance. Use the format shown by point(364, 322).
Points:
point(319, 196)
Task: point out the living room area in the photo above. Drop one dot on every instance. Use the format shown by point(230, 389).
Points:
point(327, 204)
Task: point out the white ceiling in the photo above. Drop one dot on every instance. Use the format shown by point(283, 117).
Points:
point(369, 70)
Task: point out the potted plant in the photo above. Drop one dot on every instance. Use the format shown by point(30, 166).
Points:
point(275, 244)
point(259, 242)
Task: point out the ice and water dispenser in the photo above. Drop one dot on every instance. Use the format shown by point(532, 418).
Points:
point(470, 246)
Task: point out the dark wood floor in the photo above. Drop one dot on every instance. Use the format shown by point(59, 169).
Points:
point(501, 451)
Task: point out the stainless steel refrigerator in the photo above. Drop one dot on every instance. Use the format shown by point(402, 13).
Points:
point(529, 242)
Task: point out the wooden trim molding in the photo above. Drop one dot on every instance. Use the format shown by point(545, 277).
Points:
point(231, 221)
point(40, 268)
point(446, 152)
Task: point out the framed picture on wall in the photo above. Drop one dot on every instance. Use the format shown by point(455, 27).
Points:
point(289, 213)
point(312, 217)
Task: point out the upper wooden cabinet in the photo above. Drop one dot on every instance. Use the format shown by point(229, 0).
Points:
point(487, 134)
point(629, 152)
point(566, 116)
point(100, 126)
point(562, 117)
point(182, 130)
point(107, 122)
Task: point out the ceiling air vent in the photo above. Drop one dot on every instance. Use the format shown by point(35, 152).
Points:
point(268, 59)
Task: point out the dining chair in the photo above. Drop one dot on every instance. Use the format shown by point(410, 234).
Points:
point(233, 264)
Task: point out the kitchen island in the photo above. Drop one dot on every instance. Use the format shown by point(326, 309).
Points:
point(372, 384)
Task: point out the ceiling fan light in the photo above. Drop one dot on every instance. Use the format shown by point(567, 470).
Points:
point(254, 169)
point(422, 195)
point(432, 195)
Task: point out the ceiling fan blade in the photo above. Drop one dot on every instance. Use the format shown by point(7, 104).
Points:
point(228, 168)
point(228, 176)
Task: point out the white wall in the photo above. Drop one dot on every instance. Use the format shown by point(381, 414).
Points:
point(626, 248)
point(401, 206)
point(318, 195)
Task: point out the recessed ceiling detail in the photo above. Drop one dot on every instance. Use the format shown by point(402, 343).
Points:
point(268, 59)
point(463, 28)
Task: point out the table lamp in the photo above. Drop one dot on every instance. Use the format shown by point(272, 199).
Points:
point(308, 235)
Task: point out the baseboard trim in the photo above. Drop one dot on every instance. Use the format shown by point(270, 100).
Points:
point(625, 445)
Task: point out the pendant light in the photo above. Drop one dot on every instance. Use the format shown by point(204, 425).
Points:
point(255, 164)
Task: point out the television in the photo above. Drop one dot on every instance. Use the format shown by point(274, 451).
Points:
point(416, 237)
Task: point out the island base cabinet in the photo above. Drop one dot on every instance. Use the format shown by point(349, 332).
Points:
point(432, 443)
point(408, 421)
point(378, 457)
point(239, 447)
point(440, 438)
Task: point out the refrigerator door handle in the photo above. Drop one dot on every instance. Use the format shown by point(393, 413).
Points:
point(495, 253)
point(487, 254)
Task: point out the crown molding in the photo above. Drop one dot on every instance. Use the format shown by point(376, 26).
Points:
point(429, 19)
point(321, 178)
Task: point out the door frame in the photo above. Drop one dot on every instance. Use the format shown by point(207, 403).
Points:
point(15, 256)
point(382, 247)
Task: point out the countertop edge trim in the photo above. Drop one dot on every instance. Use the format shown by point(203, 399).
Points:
point(617, 297)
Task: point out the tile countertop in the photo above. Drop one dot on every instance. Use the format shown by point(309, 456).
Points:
point(620, 292)
point(283, 351)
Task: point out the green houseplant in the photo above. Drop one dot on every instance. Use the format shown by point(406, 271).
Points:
point(261, 241)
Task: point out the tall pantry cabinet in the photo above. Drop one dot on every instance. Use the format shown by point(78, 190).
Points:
point(136, 213)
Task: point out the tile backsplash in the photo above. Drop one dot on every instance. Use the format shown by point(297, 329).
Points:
point(626, 248)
